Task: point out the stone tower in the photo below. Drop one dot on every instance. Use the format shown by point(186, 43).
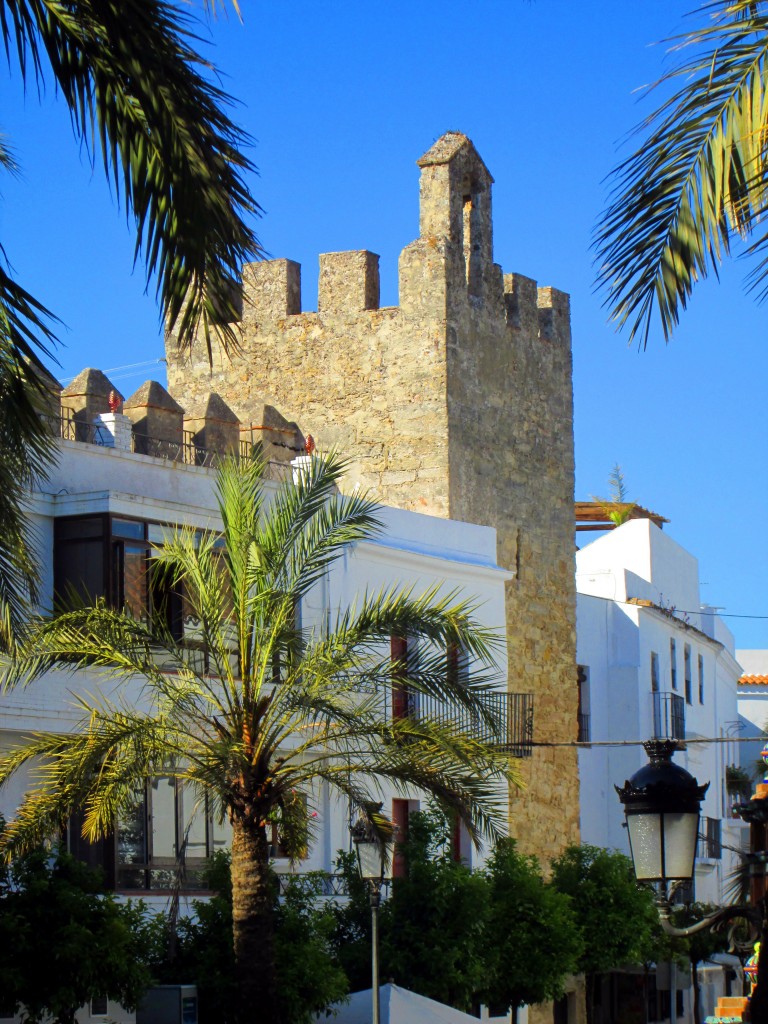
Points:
point(457, 402)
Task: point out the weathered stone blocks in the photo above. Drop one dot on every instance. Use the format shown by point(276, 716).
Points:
point(458, 402)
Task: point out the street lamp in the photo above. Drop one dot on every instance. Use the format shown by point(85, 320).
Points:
point(661, 804)
point(373, 858)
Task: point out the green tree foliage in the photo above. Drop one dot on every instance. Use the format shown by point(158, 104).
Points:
point(309, 978)
point(697, 180)
point(531, 936)
point(64, 940)
point(352, 925)
point(502, 936)
point(614, 916)
point(271, 711)
point(433, 925)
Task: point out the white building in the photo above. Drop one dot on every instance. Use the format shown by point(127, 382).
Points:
point(97, 516)
point(753, 709)
point(654, 663)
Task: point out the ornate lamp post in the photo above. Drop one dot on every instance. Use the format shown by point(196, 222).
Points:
point(373, 859)
point(661, 804)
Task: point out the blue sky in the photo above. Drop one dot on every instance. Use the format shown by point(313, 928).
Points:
point(341, 99)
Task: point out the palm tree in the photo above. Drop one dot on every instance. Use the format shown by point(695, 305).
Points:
point(138, 93)
point(698, 179)
point(259, 711)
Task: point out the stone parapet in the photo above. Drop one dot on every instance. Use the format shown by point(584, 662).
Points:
point(349, 282)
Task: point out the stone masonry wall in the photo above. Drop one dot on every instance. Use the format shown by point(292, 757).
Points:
point(457, 402)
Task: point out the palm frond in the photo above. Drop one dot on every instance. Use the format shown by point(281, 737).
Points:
point(139, 92)
point(697, 180)
point(26, 445)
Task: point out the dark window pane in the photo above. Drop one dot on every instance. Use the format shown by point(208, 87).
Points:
point(163, 793)
point(167, 604)
point(127, 528)
point(135, 581)
point(99, 854)
point(77, 529)
point(78, 572)
point(132, 836)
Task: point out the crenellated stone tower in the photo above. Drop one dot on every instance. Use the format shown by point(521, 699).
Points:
point(457, 402)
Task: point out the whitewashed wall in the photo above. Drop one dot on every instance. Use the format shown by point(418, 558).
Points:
point(414, 551)
point(616, 640)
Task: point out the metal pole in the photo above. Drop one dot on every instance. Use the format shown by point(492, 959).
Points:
point(375, 901)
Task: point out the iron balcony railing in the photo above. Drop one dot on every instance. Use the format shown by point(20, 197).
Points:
point(584, 733)
point(185, 451)
point(513, 711)
point(668, 716)
point(710, 842)
point(332, 886)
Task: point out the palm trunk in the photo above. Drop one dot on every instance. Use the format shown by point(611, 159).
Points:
point(253, 925)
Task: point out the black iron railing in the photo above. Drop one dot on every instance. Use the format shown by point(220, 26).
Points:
point(507, 723)
point(186, 451)
point(328, 885)
point(668, 716)
point(710, 844)
point(584, 733)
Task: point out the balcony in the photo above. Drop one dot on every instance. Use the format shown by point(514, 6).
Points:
point(514, 710)
point(186, 451)
point(710, 844)
point(584, 732)
point(668, 716)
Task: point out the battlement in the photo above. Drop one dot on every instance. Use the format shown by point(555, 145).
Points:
point(447, 271)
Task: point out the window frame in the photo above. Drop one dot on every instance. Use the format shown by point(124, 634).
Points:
point(113, 581)
point(688, 673)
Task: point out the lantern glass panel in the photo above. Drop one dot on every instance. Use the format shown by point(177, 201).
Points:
point(645, 843)
point(680, 834)
point(369, 859)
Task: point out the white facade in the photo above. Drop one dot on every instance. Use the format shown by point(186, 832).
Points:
point(651, 656)
point(753, 708)
point(413, 551)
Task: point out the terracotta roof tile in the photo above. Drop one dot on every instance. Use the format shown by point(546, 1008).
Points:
point(753, 680)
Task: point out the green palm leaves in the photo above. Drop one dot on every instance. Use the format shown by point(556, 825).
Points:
point(140, 95)
point(251, 708)
point(698, 180)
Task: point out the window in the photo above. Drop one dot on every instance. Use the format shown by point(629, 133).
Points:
point(401, 812)
point(404, 701)
point(457, 665)
point(685, 893)
point(654, 672)
point(710, 839)
point(108, 557)
point(673, 664)
point(461, 844)
point(688, 674)
point(99, 1006)
point(168, 834)
point(701, 679)
point(582, 681)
